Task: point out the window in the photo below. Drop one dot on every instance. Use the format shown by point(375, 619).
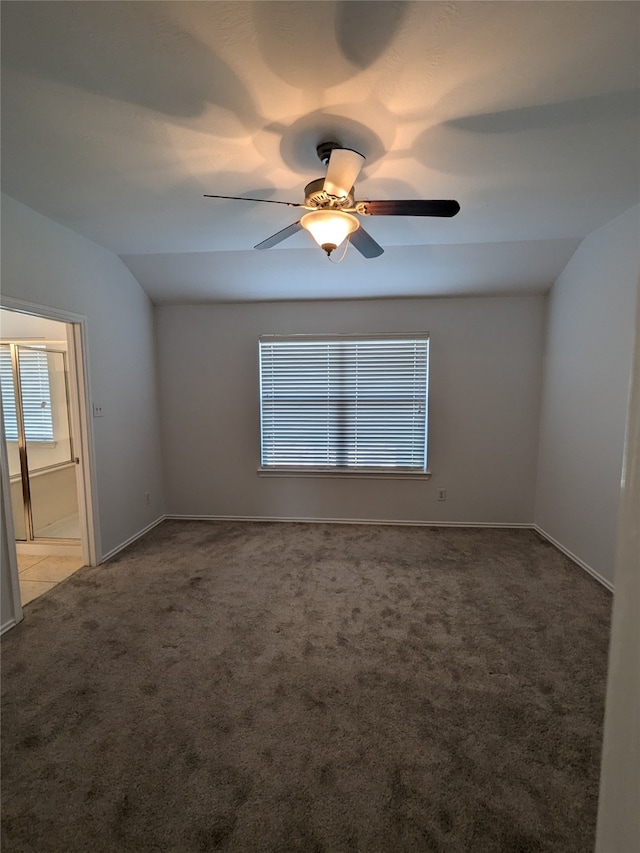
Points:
point(36, 396)
point(344, 404)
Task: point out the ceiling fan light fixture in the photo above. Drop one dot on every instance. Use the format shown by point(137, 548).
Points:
point(329, 228)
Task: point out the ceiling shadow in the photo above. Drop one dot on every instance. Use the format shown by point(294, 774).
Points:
point(552, 138)
point(130, 52)
point(611, 106)
point(365, 30)
point(298, 42)
point(314, 46)
point(300, 139)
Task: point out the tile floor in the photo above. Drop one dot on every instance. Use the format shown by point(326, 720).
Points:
point(39, 574)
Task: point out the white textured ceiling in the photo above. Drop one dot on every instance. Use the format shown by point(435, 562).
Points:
point(118, 116)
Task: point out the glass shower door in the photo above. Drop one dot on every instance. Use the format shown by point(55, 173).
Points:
point(48, 444)
point(10, 409)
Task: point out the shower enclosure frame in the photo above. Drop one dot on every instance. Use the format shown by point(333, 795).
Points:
point(26, 472)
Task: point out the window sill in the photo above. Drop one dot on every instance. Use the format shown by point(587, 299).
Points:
point(345, 473)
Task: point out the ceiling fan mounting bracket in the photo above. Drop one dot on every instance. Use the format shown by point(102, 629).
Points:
point(324, 150)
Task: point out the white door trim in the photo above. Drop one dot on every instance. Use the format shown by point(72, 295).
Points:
point(82, 427)
point(80, 384)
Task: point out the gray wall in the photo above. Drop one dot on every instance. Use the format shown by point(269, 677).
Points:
point(49, 265)
point(589, 352)
point(486, 356)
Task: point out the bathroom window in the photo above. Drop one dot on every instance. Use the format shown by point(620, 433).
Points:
point(36, 394)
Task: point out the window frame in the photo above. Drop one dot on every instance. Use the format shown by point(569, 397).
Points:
point(334, 471)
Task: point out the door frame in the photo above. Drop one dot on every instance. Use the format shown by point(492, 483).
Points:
point(79, 398)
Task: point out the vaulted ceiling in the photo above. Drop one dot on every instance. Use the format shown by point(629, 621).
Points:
point(118, 116)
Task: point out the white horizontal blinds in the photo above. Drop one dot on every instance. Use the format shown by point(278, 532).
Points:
point(36, 396)
point(349, 403)
point(33, 365)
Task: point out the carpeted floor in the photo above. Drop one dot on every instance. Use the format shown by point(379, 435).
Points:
point(300, 687)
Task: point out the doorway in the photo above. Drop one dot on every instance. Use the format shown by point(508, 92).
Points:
point(41, 434)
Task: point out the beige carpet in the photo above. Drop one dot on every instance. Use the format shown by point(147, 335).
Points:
point(291, 687)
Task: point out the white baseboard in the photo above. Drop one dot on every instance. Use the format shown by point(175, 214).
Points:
point(605, 583)
point(382, 521)
point(110, 554)
point(260, 518)
point(10, 623)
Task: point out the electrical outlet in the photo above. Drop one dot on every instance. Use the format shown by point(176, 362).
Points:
point(147, 498)
point(442, 494)
point(97, 410)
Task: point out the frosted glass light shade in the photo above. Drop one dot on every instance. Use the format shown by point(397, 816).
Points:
point(329, 228)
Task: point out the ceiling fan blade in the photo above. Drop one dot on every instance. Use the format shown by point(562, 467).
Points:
point(264, 200)
point(342, 171)
point(433, 207)
point(365, 244)
point(289, 231)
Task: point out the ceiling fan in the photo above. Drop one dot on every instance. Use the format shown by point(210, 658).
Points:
point(332, 205)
